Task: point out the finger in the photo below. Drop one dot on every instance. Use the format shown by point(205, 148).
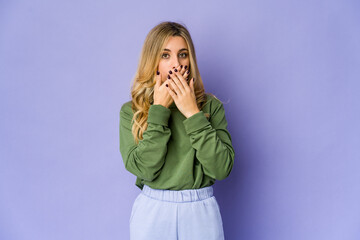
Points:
point(158, 79)
point(182, 70)
point(178, 68)
point(182, 80)
point(186, 75)
point(171, 92)
point(192, 85)
point(179, 87)
point(168, 83)
point(174, 86)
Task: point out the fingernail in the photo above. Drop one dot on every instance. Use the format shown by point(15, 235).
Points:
point(166, 85)
point(170, 72)
point(180, 66)
point(157, 72)
point(188, 72)
point(175, 70)
point(168, 76)
point(185, 67)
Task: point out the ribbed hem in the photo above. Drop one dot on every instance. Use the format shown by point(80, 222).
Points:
point(195, 122)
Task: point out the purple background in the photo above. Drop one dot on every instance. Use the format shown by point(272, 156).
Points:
point(287, 70)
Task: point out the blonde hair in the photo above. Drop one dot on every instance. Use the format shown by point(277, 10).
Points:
point(142, 90)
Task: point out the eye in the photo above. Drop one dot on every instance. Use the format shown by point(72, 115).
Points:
point(185, 55)
point(164, 55)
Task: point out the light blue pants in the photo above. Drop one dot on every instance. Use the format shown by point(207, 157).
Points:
point(191, 214)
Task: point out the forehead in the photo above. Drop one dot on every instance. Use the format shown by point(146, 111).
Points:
point(175, 43)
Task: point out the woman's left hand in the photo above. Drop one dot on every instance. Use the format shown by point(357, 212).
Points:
point(183, 94)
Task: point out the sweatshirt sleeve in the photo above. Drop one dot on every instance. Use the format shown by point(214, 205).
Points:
point(146, 158)
point(212, 142)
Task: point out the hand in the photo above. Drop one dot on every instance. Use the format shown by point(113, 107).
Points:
point(183, 71)
point(183, 94)
point(161, 95)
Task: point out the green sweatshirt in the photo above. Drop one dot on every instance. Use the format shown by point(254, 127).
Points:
point(176, 152)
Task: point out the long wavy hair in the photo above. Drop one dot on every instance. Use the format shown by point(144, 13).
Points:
point(142, 89)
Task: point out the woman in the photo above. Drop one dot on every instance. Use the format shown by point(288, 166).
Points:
point(174, 139)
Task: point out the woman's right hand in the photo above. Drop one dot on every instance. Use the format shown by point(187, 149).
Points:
point(161, 94)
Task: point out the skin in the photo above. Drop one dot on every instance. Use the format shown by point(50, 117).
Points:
point(179, 89)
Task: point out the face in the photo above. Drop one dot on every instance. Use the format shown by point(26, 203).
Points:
point(174, 54)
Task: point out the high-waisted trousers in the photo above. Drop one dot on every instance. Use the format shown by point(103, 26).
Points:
point(191, 214)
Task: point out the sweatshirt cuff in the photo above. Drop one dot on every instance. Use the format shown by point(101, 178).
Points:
point(159, 114)
point(195, 122)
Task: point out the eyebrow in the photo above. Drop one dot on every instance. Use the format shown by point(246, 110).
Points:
point(165, 49)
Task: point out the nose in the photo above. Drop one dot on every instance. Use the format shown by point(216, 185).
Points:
point(176, 63)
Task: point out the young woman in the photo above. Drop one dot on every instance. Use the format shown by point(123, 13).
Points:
point(174, 139)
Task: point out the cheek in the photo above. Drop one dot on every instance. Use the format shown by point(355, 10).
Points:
point(164, 70)
point(161, 67)
point(185, 62)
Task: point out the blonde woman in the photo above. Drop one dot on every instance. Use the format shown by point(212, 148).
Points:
point(174, 139)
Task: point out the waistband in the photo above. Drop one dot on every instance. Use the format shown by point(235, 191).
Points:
point(187, 195)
